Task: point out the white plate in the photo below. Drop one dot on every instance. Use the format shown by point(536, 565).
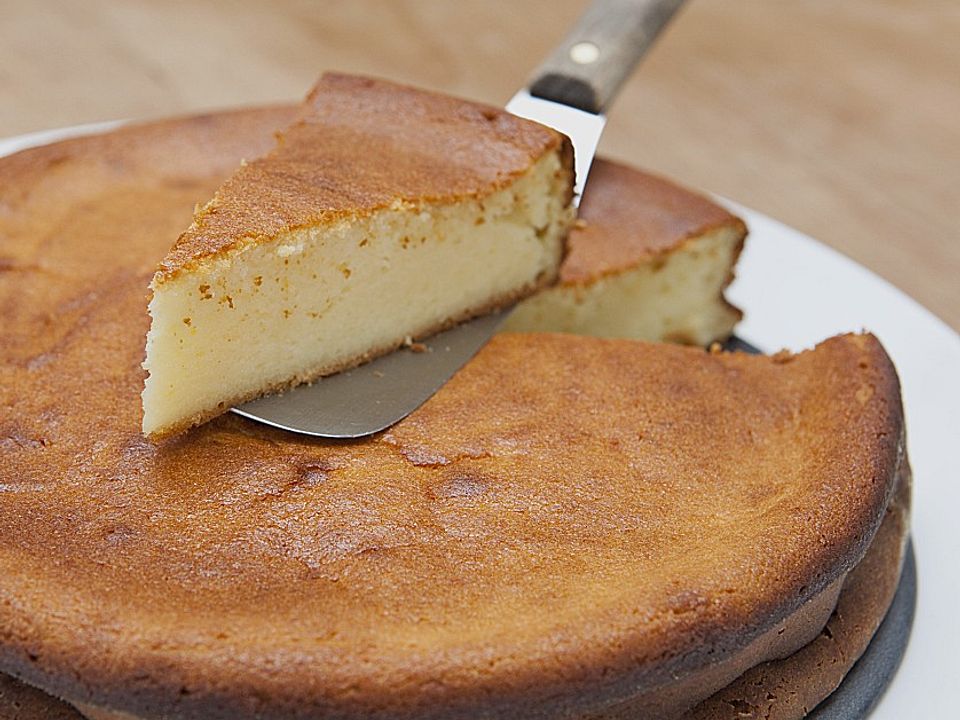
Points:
point(795, 292)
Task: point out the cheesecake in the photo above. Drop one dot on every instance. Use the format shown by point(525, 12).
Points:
point(383, 214)
point(693, 532)
point(647, 259)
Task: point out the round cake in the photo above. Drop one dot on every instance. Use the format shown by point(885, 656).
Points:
point(572, 527)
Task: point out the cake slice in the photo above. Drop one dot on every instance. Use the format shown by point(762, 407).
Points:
point(383, 213)
point(647, 260)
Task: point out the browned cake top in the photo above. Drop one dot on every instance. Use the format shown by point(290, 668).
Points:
point(360, 145)
point(567, 513)
point(630, 216)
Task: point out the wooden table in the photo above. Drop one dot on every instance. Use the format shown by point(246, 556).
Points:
point(839, 118)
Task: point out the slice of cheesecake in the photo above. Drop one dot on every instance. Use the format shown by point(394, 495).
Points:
point(384, 213)
point(648, 260)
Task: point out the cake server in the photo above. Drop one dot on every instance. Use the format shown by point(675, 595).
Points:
point(570, 92)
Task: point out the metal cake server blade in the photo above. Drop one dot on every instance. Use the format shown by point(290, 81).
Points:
point(569, 93)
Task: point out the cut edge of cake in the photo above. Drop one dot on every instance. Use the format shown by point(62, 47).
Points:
point(649, 260)
point(674, 296)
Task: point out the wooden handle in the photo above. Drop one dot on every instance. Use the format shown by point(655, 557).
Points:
point(592, 62)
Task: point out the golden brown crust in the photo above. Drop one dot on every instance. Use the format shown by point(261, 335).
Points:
point(361, 145)
point(788, 689)
point(313, 528)
point(238, 570)
point(630, 216)
point(777, 690)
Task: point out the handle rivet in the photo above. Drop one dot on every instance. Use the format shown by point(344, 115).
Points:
point(584, 53)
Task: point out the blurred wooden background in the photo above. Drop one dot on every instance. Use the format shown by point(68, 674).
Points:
point(839, 118)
